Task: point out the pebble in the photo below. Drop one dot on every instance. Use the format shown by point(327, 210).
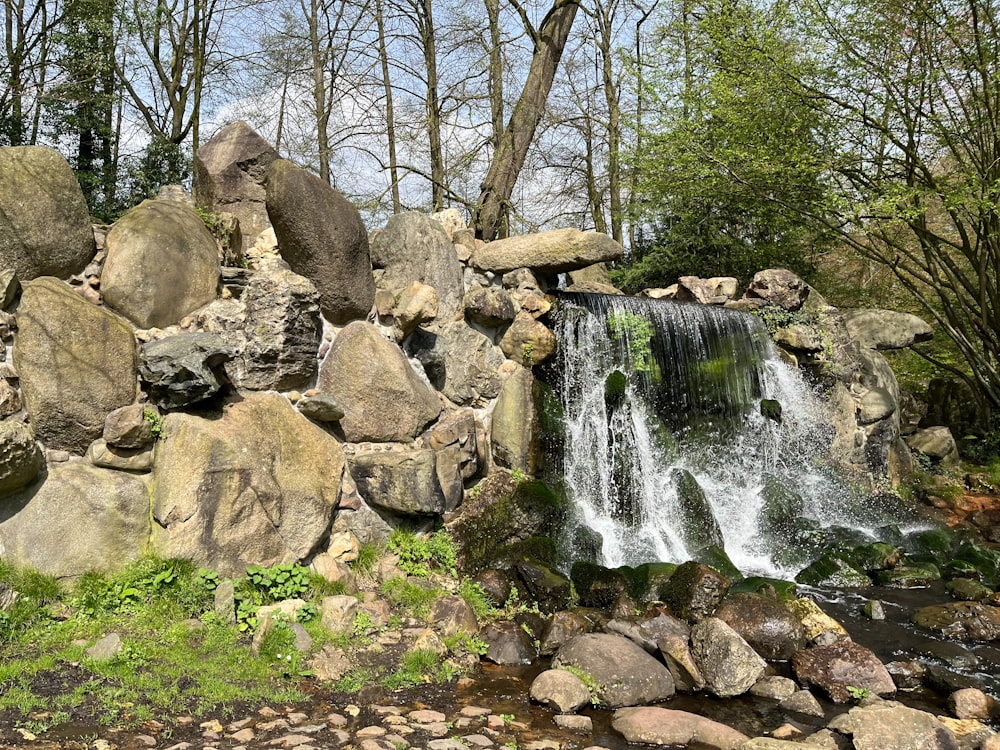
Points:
point(371, 732)
point(574, 722)
point(426, 716)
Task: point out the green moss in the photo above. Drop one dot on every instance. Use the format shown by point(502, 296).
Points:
point(829, 570)
point(597, 586)
point(785, 591)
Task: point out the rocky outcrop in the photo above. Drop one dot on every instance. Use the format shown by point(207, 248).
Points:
point(560, 689)
point(80, 518)
point(415, 247)
point(172, 239)
point(77, 363)
point(460, 362)
point(321, 236)
point(886, 329)
point(230, 172)
point(552, 252)
point(936, 443)
point(44, 221)
point(366, 374)
point(527, 341)
point(255, 484)
point(622, 672)
point(778, 287)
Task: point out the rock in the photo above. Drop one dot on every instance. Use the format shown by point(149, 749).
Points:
point(456, 442)
point(714, 291)
point(401, 479)
point(338, 613)
point(322, 237)
point(128, 429)
point(451, 614)
point(183, 369)
point(624, 674)
point(546, 585)
point(229, 175)
point(779, 287)
point(418, 304)
point(460, 362)
point(694, 591)
point(335, 571)
point(818, 625)
point(489, 306)
point(664, 726)
point(936, 443)
point(515, 429)
point(891, 725)
point(77, 363)
point(45, 229)
point(80, 518)
point(283, 331)
point(772, 743)
point(106, 648)
point(676, 652)
point(966, 621)
point(364, 392)
point(839, 666)
point(109, 457)
point(885, 329)
point(451, 220)
point(907, 675)
point(10, 399)
point(527, 341)
point(649, 631)
point(552, 252)
point(229, 492)
point(774, 687)
point(507, 644)
point(414, 247)
point(20, 456)
point(770, 629)
point(561, 627)
point(171, 239)
point(727, 662)
point(799, 338)
point(329, 663)
point(802, 702)
point(698, 527)
point(970, 703)
point(561, 690)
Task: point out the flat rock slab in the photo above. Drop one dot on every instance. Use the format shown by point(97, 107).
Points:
point(839, 666)
point(552, 252)
point(664, 726)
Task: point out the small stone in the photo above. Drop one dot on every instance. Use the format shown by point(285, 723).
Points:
point(426, 716)
point(270, 726)
point(336, 720)
point(873, 610)
point(970, 703)
point(574, 722)
point(370, 732)
point(297, 718)
point(291, 740)
point(787, 732)
point(213, 725)
point(106, 648)
point(803, 702)
point(478, 740)
point(475, 711)
point(243, 736)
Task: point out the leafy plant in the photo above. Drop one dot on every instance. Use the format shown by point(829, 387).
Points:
point(419, 555)
point(279, 582)
point(588, 682)
point(464, 643)
point(858, 693)
point(634, 333)
point(155, 421)
point(412, 597)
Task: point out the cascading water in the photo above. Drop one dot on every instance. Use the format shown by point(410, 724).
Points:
point(667, 447)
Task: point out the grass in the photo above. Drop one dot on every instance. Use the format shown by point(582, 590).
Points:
point(179, 656)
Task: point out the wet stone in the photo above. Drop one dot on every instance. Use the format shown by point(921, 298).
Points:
point(574, 722)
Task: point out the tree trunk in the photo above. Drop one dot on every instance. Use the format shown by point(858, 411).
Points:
point(390, 117)
point(491, 217)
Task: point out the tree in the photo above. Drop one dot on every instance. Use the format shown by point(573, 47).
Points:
point(24, 67)
point(490, 218)
point(914, 86)
point(733, 144)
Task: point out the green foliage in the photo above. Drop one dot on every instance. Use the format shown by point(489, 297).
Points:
point(464, 643)
point(279, 582)
point(35, 592)
point(155, 421)
point(354, 680)
point(476, 598)
point(634, 333)
point(730, 147)
point(368, 556)
point(419, 555)
point(138, 583)
point(410, 596)
point(588, 681)
point(858, 693)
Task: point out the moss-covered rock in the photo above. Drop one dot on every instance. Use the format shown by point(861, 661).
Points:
point(781, 508)
point(615, 385)
point(832, 571)
point(909, 574)
point(698, 526)
point(875, 557)
point(719, 559)
point(597, 586)
point(546, 585)
point(785, 591)
point(646, 580)
point(968, 590)
point(502, 513)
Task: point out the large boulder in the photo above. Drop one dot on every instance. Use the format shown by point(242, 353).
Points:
point(183, 369)
point(726, 661)
point(891, 725)
point(283, 332)
point(651, 725)
point(527, 341)
point(229, 175)
point(515, 430)
point(460, 362)
point(415, 247)
point(886, 329)
point(44, 222)
point(20, 457)
point(779, 287)
point(77, 363)
point(80, 518)
point(623, 673)
point(936, 443)
point(841, 667)
point(162, 264)
point(765, 623)
point(256, 484)
point(695, 590)
point(401, 479)
point(552, 252)
point(562, 690)
point(321, 236)
point(383, 398)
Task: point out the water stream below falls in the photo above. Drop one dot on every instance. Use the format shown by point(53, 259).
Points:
point(685, 430)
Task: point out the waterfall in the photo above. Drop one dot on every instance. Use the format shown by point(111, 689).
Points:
point(673, 437)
